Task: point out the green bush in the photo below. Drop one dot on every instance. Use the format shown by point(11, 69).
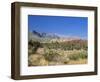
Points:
point(83, 55)
point(34, 45)
point(52, 55)
point(69, 45)
point(77, 56)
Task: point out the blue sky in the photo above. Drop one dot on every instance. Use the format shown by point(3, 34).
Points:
point(63, 25)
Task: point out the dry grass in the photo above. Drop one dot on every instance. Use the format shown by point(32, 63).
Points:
point(46, 57)
point(37, 60)
point(81, 61)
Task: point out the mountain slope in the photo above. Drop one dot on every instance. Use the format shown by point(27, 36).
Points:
point(49, 37)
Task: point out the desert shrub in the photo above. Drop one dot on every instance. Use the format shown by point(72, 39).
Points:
point(52, 55)
point(74, 57)
point(55, 56)
point(68, 45)
point(83, 55)
point(78, 55)
point(34, 45)
point(37, 60)
point(30, 51)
